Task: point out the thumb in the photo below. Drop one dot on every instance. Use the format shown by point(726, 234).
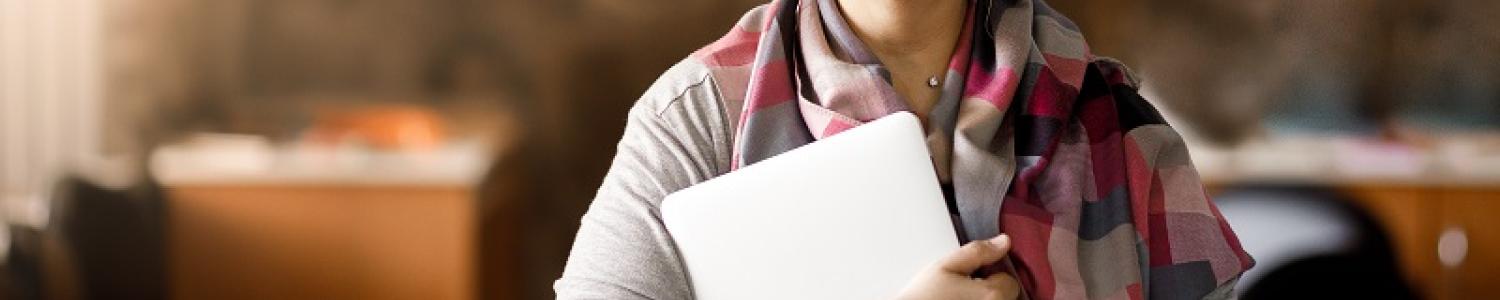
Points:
point(976, 254)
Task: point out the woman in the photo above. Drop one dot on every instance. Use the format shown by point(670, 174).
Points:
point(1099, 199)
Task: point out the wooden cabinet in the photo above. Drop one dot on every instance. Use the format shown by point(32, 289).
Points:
point(321, 241)
point(1471, 220)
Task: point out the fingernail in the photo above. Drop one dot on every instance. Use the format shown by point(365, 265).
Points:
point(1002, 240)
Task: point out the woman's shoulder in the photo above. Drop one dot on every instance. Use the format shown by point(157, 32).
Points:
point(702, 94)
point(694, 94)
point(715, 75)
point(686, 111)
point(687, 85)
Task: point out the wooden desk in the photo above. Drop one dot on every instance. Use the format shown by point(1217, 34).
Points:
point(248, 220)
point(321, 241)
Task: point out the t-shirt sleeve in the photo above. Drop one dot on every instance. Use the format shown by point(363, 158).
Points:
point(672, 140)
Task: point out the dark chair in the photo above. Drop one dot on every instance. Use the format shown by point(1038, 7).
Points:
point(1311, 243)
point(22, 269)
point(99, 243)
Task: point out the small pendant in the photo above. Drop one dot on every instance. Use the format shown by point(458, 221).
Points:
point(932, 82)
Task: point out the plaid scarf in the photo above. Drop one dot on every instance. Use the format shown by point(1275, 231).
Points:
point(1032, 136)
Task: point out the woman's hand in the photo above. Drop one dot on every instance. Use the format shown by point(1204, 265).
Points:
point(949, 277)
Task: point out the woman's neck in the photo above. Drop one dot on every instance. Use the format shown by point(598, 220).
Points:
point(905, 27)
point(914, 39)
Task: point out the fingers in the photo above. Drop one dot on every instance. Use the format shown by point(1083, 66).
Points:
point(949, 277)
point(974, 255)
point(1003, 286)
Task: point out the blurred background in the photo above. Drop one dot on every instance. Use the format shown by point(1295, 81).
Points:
point(445, 149)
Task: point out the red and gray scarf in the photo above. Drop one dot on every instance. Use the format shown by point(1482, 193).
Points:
point(1032, 136)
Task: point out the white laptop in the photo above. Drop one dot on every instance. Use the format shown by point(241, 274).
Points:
point(854, 216)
